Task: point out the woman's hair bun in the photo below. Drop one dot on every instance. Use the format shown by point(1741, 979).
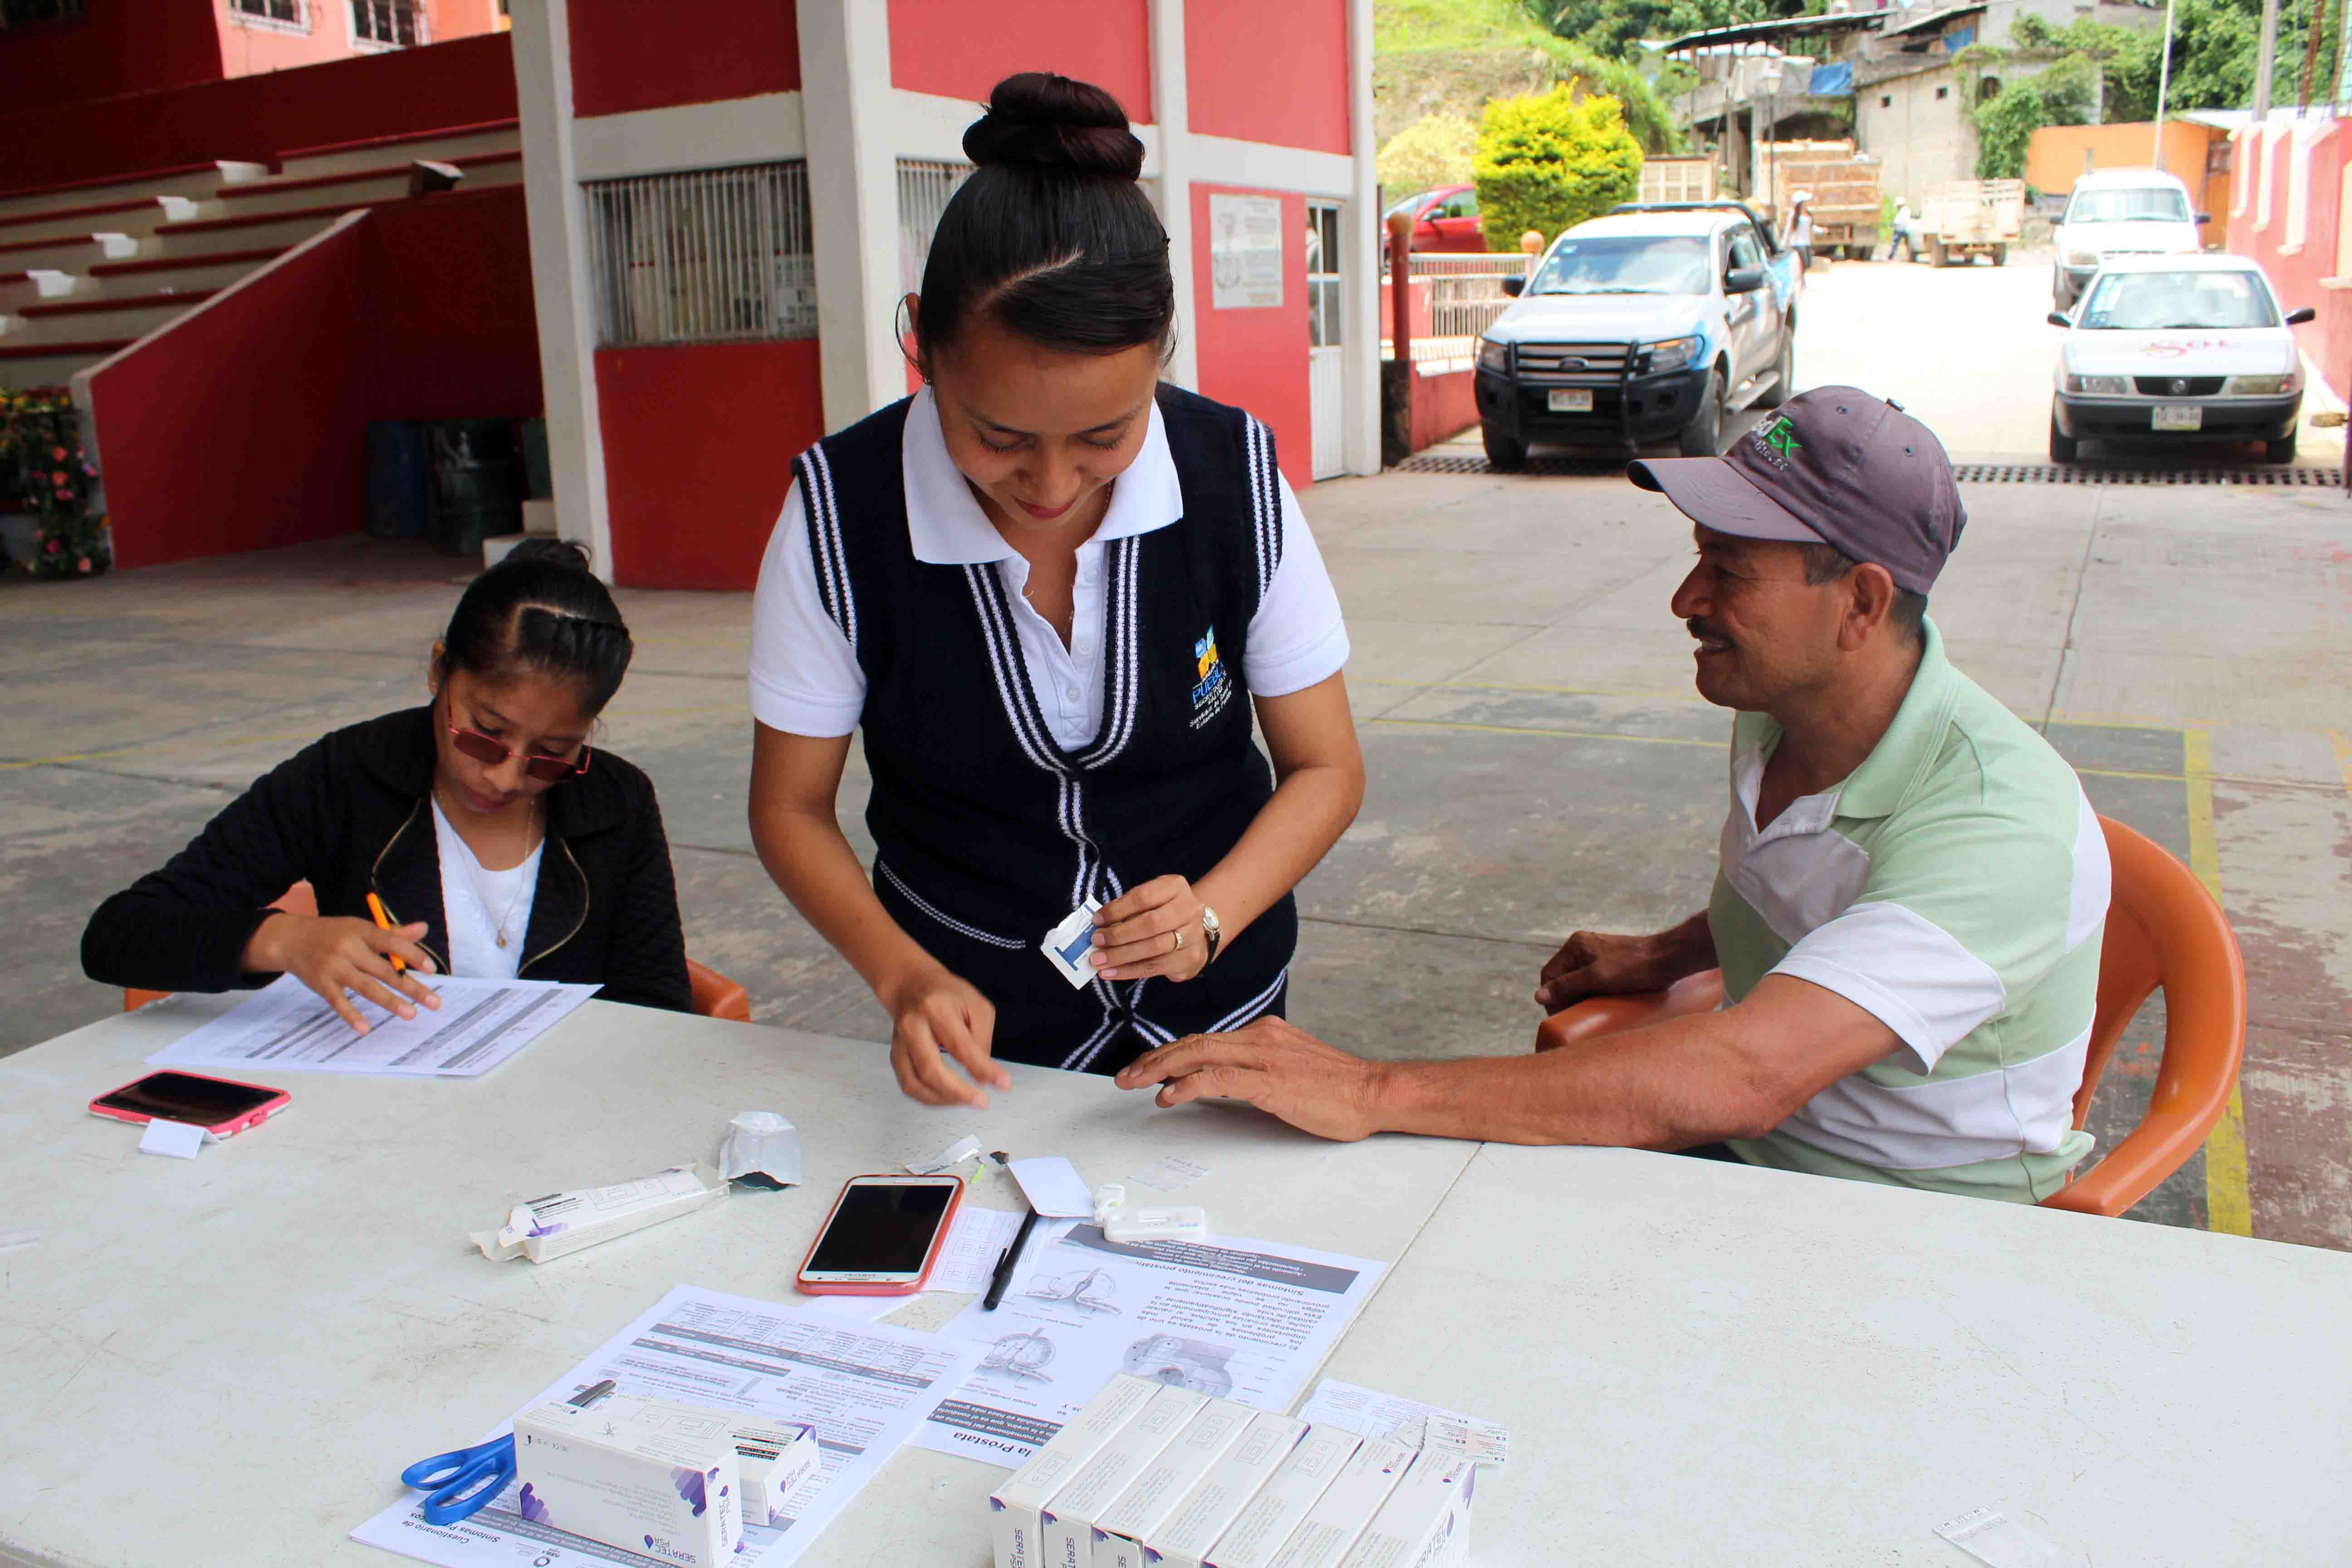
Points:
point(1048, 122)
point(563, 553)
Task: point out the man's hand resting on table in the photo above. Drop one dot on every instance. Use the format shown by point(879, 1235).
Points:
point(1274, 1065)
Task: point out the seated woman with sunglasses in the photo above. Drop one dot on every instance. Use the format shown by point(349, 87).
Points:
point(500, 847)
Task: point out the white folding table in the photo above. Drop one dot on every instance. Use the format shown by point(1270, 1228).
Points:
point(229, 1360)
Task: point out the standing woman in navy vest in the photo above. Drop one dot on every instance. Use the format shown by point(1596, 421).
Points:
point(1053, 592)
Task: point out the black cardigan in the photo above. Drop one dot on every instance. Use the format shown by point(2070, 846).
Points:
point(351, 814)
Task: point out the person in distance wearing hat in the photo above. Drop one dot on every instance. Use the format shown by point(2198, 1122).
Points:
point(1909, 897)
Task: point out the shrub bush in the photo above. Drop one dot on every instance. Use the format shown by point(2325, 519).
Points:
point(1546, 161)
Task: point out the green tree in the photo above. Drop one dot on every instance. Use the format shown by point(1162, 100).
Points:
point(1435, 150)
point(1550, 160)
point(2006, 122)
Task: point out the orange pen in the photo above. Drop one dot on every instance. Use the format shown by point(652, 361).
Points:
point(383, 922)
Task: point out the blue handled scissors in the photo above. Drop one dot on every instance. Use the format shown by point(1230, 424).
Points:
point(460, 1484)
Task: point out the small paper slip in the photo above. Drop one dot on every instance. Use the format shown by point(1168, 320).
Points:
point(1054, 1187)
point(177, 1138)
point(1067, 944)
point(286, 1027)
point(1991, 1537)
point(1169, 1175)
point(964, 1148)
point(1481, 1442)
point(851, 1308)
point(1394, 1419)
point(976, 1240)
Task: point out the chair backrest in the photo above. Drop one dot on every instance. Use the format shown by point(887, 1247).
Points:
point(716, 997)
point(2164, 931)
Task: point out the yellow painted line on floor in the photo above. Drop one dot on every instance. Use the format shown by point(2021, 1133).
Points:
point(1532, 730)
point(2229, 1203)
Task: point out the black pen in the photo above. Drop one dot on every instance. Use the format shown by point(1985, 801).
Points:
point(1003, 1275)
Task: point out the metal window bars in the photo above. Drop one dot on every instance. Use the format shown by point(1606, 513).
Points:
point(708, 256)
point(394, 24)
point(924, 186)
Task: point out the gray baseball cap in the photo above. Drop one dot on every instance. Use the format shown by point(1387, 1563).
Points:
point(1832, 466)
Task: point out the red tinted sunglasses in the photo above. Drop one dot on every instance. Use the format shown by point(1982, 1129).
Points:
point(491, 753)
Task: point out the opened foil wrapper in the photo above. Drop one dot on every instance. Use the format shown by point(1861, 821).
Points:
point(761, 1143)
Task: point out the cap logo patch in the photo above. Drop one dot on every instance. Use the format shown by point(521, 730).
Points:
point(1779, 439)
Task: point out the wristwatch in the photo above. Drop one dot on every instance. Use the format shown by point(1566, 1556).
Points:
point(1214, 932)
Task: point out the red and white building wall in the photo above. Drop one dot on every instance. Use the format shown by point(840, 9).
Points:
point(2291, 209)
point(671, 450)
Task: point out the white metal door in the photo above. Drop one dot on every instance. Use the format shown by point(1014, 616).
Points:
point(1327, 381)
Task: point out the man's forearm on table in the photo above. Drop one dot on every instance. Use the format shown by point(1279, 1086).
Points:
point(1668, 1086)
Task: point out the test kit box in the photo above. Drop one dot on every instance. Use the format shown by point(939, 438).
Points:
point(1425, 1523)
point(1340, 1517)
point(1014, 1508)
point(1209, 1508)
point(1068, 1519)
point(658, 1479)
point(1154, 1495)
point(773, 1460)
point(1269, 1520)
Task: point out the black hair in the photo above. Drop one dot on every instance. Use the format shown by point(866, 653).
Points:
point(1051, 236)
point(1826, 563)
point(541, 609)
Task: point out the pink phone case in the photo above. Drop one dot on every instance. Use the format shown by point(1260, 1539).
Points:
point(230, 1129)
point(808, 1287)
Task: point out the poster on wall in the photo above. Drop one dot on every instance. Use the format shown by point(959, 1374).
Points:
point(1244, 252)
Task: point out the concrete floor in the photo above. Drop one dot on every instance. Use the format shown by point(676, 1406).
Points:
point(1538, 761)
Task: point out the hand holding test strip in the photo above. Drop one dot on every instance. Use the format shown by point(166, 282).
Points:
point(1070, 945)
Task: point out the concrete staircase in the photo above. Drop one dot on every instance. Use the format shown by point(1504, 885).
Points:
point(88, 269)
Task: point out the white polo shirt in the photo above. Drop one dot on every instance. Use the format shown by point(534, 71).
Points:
point(805, 679)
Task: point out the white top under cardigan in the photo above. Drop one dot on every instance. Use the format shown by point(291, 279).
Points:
point(805, 679)
point(473, 900)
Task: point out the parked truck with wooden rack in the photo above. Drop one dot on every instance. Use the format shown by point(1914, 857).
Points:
point(1844, 188)
point(1968, 218)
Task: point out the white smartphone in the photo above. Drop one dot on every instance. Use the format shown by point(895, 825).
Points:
point(882, 1236)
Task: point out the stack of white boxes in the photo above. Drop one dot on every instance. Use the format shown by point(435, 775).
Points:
point(1152, 1476)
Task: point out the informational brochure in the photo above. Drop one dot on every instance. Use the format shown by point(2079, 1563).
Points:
point(1233, 1318)
point(865, 1387)
point(286, 1027)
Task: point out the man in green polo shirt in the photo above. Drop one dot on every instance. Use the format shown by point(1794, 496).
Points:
point(1909, 897)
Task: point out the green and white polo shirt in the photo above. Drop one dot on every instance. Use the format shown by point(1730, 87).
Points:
point(1955, 886)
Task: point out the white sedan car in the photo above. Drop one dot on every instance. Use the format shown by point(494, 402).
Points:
point(2174, 349)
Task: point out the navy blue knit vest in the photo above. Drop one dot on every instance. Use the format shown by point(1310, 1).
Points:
point(987, 830)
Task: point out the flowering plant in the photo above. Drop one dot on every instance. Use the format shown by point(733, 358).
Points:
point(44, 468)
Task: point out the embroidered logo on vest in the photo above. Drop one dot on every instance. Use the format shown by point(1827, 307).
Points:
point(1212, 689)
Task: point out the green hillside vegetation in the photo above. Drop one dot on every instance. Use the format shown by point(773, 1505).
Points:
point(1455, 56)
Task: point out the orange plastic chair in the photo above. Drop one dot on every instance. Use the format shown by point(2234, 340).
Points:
point(2164, 931)
point(715, 995)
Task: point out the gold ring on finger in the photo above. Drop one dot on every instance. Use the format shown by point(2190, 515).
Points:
point(1180, 942)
